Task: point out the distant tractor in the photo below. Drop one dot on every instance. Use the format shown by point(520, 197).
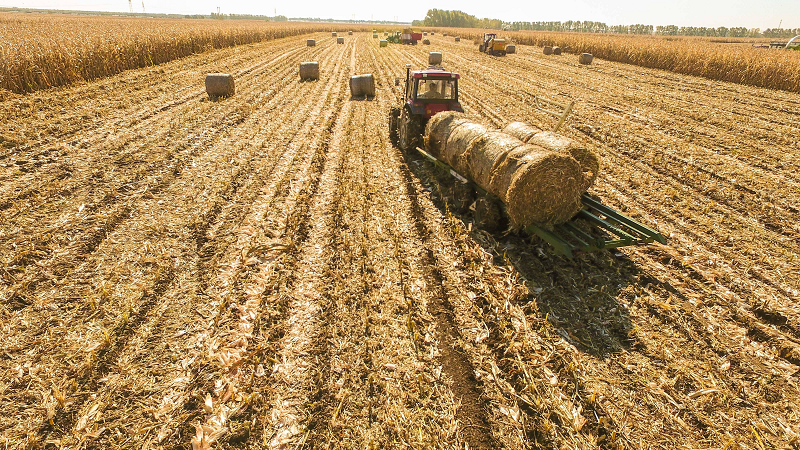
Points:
point(427, 92)
point(492, 45)
point(393, 37)
point(410, 37)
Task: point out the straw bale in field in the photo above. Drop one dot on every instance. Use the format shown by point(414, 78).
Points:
point(219, 85)
point(588, 160)
point(585, 58)
point(384, 43)
point(309, 70)
point(349, 33)
point(434, 58)
point(311, 42)
point(548, 50)
point(333, 34)
point(537, 185)
point(362, 85)
point(511, 48)
point(458, 39)
point(556, 50)
point(340, 40)
point(426, 42)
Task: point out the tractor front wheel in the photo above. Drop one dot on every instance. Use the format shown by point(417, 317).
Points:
point(409, 131)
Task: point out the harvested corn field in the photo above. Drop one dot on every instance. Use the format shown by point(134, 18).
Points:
point(268, 271)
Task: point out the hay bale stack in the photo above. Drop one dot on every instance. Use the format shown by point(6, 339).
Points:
point(511, 48)
point(458, 39)
point(537, 185)
point(588, 160)
point(362, 85)
point(434, 58)
point(556, 50)
point(585, 58)
point(340, 40)
point(311, 42)
point(309, 70)
point(426, 42)
point(384, 42)
point(219, 85)
point(548, 50)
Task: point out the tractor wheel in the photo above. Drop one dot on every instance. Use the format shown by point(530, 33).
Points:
point(394, 119)
point(487, 214)
point(409, 131)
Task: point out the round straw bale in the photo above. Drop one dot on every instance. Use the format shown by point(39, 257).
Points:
point(311, 42)
point(556, 50)
point(375, 35)
point(588, 160)
point(432, 33)
point(438, 129)
point(585, 58)
point(434, 58)
point(309, 70)
point(340, 40)
point(333, 34)
point(521, 130)
point(424, 33)
point(362, 85)
point(548, 50)
point(426, 42)
point(219, 85)
point(349, 33)
point(458, 39)
point(384, 43)
point(538, 186)
point(459, 140)
point(511, 48)
point(486, 153)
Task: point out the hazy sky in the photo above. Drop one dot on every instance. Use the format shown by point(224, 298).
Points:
point(711, 13)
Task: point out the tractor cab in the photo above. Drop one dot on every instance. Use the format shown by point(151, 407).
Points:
point(427, 92)
point(431, 91)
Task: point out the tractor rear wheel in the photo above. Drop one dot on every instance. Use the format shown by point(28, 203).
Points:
point(394, 119)
point(409, 130)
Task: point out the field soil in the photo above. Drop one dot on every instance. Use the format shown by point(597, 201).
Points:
point(268, 271)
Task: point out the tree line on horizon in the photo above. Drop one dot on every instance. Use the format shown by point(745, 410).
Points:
point(460, 19)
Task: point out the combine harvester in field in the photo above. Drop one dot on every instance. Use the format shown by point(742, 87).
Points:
point(537, 179)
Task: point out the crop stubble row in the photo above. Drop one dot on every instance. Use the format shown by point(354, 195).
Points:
point(622, 339)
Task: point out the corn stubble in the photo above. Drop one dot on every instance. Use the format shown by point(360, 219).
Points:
point(267, 271)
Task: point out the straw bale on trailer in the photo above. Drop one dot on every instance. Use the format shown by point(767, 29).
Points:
point(309, 70)
point(311, 42)
point(585, 58)
point(511, 48)
point(362, 85)
point(588, 160)
point(219, 85)
point(434, 58)
point(537, 185)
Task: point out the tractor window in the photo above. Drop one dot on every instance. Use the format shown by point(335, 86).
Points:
point(436, 89)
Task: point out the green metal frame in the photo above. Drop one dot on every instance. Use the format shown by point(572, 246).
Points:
point(607, 228)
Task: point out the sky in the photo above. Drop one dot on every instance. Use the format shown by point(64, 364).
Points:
point(709, 13)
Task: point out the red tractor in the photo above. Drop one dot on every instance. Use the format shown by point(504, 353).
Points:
point(428, 92)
